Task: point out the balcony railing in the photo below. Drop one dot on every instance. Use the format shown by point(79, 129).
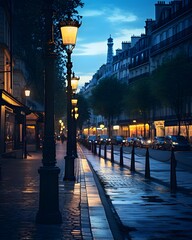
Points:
point(179, 37)
point(172, 16)
point(139, 62)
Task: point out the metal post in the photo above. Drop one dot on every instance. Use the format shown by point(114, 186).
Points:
point(173, 179)
point(147, 164)
point(121, 156)
point(99, 149)
point(95, 148)
point(74, 142)
point(49, 188)
point(133, 159)
point(105, 151)
point(92, 147)
point(112, 153)
point(24, 155)
point(69, 158)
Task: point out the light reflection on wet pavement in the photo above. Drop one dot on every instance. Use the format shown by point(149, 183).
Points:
point(147, 209)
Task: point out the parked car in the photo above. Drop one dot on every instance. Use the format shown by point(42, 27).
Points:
point(92, 138)
point(158, 143)
point(142, 142)
point(117, 140)
point(129, 141)
point(103, 139)
point(81, 138)
point(177, 142)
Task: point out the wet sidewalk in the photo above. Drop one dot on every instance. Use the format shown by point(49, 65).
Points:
point(146, 208)
point(82, 211)
point(105, 202)
point(19, 201)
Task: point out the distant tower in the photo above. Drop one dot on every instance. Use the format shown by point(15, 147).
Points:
point(110, 50)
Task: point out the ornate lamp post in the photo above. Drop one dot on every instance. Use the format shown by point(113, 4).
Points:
point(74, 85)
point(69, 30)
point(49, 188)
point(74, 127)
point(27, 94)
point(74, 82)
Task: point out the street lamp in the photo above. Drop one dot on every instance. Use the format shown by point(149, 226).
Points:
point(74, 82)
point(49, 186)
point(69, 29)
point(27, 94)
point(75, 115)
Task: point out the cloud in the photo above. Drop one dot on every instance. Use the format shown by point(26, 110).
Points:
point(118, 16)
point(92, 13)
point(100, 48)
point(115, 16)
point(90, 49)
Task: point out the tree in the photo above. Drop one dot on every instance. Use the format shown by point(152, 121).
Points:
point(29, 41)
point(107, 99)
point(172, 85)
point(83, 110)
point(139, 100)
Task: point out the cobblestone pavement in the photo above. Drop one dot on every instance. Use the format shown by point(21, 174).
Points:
point(19, 189)
point(82, 211)
point(146, 208)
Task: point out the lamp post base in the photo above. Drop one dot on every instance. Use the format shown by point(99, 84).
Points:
point(49, 196)
point(69, 168)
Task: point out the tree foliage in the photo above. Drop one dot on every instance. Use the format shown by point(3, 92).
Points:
point(30, 40)
point(172, 82)
point(139, 98)
point(83, 110)
point(172, 85)
point(107, 98)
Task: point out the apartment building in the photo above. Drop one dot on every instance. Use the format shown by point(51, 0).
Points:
point(169, 34)
point(16, 119)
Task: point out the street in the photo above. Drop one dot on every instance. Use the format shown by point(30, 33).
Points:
point(159, 164)
point(184, 158)
point(146, 207)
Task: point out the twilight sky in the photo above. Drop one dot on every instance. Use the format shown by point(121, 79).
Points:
point(101, 18)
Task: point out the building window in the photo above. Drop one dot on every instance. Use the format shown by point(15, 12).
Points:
point(170, 32)
point(9, 131)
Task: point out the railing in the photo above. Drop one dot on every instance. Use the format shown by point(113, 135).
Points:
point(127, 158)
point(180, 36)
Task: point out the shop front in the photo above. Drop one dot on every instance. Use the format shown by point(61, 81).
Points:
point(12, 116)
point(34, 131)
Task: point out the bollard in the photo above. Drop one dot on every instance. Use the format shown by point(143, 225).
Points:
point(112, 153)
point(95, 148)
point(105, 151)
point(89, 146)
point(147, 164)
point(173, 179)
point(121, 156)
point(133, 159)
point(92, 147)
point(99, 149)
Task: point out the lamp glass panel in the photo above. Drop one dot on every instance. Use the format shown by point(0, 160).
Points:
point(69, 34)
point(74, 102)
point(74, 83)
point(27, 93)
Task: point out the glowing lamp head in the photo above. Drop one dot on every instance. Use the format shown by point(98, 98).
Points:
point(74, 82)
point(74, 102)
point(69, 30)
point(27, 92)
